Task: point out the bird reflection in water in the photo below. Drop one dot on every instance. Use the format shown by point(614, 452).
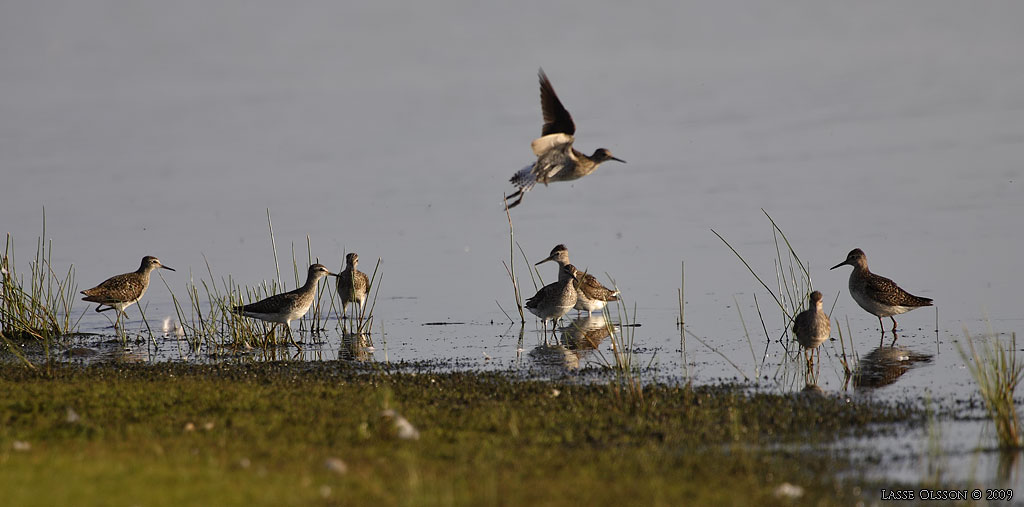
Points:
point(578, 339)
point(356, 347)
point(884, 365)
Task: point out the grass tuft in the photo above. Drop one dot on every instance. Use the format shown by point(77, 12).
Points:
point(39, 307)
point(997, 372)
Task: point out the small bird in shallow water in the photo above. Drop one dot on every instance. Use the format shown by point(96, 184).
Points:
point(352, 284)
point(812, 326)
point(288, 306)
point(557, 160)
point(878, 295)
point(554, 300)
point(121, 291)
point(591, 296)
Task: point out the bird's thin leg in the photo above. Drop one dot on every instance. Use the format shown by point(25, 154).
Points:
point(893, 324)
point(291, 337)
point(881, 325)
point(100, 309)
point(516, 203)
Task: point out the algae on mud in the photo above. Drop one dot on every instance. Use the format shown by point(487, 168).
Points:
point(261, 433)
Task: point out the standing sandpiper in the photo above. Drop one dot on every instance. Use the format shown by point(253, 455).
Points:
point(352, 284)
point(286, 307)
point(554, 300)
point(591, 295)
point(812, 326)
point(878, 295)
point(557, 160)
point(121, 291)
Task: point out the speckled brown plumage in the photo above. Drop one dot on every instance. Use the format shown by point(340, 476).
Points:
point(812, 326)
point(121, 291)
point(288, 306)
point(877, 294)
point(352, 283)
point(591, 294)
point(557, 160)
point(554, 300)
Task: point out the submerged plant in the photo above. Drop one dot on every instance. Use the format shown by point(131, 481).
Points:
point(997, 373)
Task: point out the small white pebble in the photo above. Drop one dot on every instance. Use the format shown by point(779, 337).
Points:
point(325, 491)
point(787, 490)
point(208, 425)
point(244, 463)
point(21, 446)
point(403, 428)
point(336, 465)
point(71, 416)
point(189, 427)
point(555, 393)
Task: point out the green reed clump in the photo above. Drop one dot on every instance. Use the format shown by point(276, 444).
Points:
point(792, 286)
point(41, 306)
point(627, 387)
point(209, 324)
point(997, 372)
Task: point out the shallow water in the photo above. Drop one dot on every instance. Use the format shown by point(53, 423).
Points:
point(391, 130)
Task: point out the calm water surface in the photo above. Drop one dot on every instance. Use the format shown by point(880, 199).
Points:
point(391, 129)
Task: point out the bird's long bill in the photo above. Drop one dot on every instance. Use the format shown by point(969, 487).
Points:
point(167, 267)
point(333, 274)
point(617, 159)
point(837, 265)
point(549, 258)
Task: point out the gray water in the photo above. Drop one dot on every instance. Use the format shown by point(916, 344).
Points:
point(391, 129)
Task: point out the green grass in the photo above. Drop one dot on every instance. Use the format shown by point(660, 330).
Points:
point(485, 439)
point(997, 372)
point(41, 306)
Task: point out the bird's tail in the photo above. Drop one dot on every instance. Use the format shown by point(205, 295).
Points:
point(920, 301)
point(524, 179)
